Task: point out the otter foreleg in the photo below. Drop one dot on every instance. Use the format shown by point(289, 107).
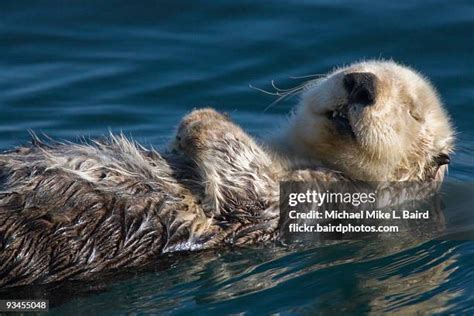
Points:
point(239, 181)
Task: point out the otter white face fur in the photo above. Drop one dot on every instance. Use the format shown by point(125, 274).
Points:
point(374, 121)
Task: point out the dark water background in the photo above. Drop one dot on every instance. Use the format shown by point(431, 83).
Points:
point(74, 68)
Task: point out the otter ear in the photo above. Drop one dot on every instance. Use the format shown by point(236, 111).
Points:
point(442, 159)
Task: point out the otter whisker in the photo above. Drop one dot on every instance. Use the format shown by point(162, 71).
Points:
point(281, 94)
point(280, 89)
point(263, 91)
point(308, 76)
point(284, 96)
point(284, 93)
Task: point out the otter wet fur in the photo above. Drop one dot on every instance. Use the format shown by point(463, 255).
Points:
point(70, 211)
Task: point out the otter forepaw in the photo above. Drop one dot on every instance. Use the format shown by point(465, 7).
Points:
point(198, 130)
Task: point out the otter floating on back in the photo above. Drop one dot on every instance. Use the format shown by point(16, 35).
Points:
point(68, 211)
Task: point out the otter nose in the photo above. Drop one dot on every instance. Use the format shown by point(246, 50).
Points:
point(361, 87)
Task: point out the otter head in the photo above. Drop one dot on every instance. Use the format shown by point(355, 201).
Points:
point(375, 121)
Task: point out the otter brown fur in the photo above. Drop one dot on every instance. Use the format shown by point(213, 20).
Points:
point(68, 211)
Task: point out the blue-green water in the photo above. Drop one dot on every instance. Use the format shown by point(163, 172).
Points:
point(75, 68)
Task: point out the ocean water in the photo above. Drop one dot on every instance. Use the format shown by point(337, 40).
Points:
point(81, 68)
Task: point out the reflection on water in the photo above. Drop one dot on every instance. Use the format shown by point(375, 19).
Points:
point(83, 67)
point(276, 279)
point(403, 275)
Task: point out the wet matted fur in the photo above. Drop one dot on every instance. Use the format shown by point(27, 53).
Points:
point(69, 210)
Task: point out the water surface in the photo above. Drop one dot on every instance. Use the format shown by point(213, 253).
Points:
point(75, 68)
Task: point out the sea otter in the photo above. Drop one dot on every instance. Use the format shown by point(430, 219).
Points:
point(69, 211)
